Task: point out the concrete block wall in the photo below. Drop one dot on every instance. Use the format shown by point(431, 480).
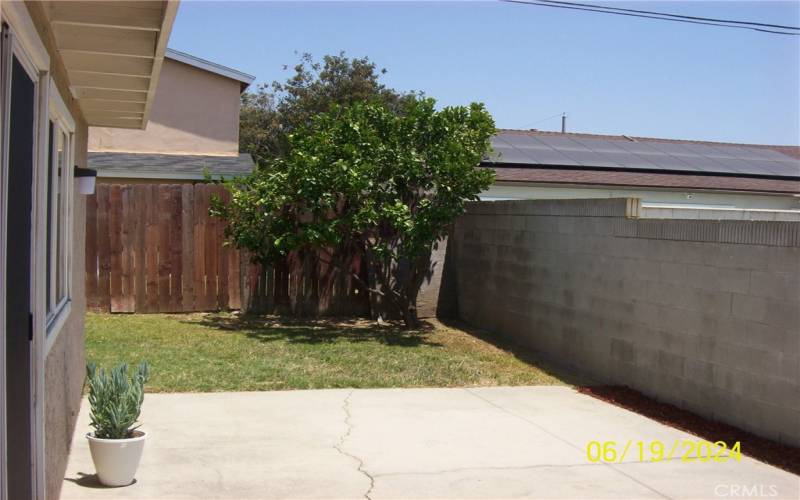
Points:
point(703, 314)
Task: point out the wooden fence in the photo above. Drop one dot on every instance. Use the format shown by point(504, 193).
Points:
point(155, 248)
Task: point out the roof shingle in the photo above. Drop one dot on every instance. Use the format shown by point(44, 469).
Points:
point(154, 165)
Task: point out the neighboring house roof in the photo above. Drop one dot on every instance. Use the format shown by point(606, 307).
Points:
point(166, 166)
point(212, 67)
point(569, 158)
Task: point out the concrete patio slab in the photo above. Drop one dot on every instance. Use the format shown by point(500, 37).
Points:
point(502, 442)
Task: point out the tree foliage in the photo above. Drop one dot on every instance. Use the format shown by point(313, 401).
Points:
point(274, 111)
point(366, 178)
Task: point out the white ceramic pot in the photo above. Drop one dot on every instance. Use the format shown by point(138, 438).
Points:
point(116, 460)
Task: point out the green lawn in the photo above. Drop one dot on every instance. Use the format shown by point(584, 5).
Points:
point(221, 352)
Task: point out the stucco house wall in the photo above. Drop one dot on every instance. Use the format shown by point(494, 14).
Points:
point(195, 112)
point(64, 363)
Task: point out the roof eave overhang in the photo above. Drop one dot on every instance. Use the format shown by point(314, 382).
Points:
point(113, 53)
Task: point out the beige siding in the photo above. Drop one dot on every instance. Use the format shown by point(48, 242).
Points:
point(195, 112)
point(64, 366)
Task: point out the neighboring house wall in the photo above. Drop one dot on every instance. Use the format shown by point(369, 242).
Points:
point(195, 112)
point(523, 191)
point(65, 363)
point(702, 314)
point(682, 212)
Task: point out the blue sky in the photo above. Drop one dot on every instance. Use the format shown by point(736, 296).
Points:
point(611, 74)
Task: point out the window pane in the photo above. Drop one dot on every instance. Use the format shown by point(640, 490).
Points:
point(61, 220)
point(49, 239)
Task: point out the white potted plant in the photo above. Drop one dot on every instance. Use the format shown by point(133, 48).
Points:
point(115, 401)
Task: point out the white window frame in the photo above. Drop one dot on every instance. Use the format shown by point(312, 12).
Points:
point(63, 123)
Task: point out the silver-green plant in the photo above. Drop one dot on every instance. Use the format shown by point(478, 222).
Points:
point(115, 399)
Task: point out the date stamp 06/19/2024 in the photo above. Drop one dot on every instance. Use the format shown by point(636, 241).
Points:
point(685, 450)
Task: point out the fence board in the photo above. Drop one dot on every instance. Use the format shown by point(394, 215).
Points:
point(199, 251)
point(187, 247)
point(92, 298)
point(140, 247)
point(103, 263)
point(115, 247)
point(175, 249)
point(164, 263)
point(126, 301)
point(151, 249)
point(234, 279)
point(212, 247)
point(155, 248)
point(222, 271)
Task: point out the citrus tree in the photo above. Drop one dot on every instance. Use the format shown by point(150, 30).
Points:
point(367, 179)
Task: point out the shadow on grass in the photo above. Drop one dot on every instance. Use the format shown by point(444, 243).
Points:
point(318, 330)
point(525, 354)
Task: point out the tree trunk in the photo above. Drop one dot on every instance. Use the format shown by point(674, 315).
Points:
point(379, 300)
point(410, 315)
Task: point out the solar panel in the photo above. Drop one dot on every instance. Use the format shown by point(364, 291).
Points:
point(723, 152)
point(562, 143)
point(638, 147)
point(538, 152)
point(783, 168)
point(667, 148)
point(711, 160)
point(571, 151)
point(747, 153)
point(667, 162)
point(504, 153)
point(598, 145)
point(593, 159)
point(609, 151)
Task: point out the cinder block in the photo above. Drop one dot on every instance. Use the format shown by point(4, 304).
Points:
point(739, 256)
point(781, 286)
point(771, 338)
point(670, 363)
point(673, 272)
point(690, 252)
point(662, 250)
point(783, 260)
point(781, 393)
point(749, 307)
point(783, 314)
point(718, 278)
point(710, 302)
point(644, 313)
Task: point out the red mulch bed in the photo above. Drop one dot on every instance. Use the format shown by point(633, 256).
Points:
point(780, 455)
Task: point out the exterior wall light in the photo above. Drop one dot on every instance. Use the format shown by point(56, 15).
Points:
point(86, 178)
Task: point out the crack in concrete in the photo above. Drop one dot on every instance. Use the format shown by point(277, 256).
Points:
point(340, 444)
